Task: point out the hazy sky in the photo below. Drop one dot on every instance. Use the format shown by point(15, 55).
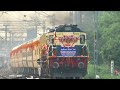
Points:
point(39, 16)
point(19, 15)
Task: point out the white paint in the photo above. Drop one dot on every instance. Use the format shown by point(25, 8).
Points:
point(31, 77)
point(19, 75)
point(97, 77)
point(112, 67)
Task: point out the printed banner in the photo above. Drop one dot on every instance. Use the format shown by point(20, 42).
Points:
point(65, 51)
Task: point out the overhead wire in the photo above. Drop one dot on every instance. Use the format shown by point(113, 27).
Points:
point(17, 18)
point(20, 13)
point(3, 13)
point(13, 18)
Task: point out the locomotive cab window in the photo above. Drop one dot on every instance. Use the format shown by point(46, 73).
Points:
point(82, 39)
point(51, 39)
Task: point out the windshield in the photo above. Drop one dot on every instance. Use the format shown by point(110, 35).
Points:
point(82, 39)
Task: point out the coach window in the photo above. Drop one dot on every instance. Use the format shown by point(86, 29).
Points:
point(28, 53)
point(39, 51)
point(35, 52)
point(82, 39)
point(23, 54)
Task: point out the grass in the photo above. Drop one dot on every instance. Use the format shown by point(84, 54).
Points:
point(103, 71)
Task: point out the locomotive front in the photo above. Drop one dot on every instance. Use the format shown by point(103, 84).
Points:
point(68, 54)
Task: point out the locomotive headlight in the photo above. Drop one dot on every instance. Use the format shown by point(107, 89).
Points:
point(80, 65)
point(55, 65)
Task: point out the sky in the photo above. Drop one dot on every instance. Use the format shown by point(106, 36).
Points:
point(19, 15)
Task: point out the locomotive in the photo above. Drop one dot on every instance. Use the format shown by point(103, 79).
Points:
point(61, 52)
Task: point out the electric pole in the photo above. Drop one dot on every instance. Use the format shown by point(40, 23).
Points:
point(6, 35)
point(10, 39)
point(6, 30)
point(77, 18)
point(96, 41)
point(43, 27)
point(52, 19)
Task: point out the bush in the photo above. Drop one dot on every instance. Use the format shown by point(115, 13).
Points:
point(103, 71)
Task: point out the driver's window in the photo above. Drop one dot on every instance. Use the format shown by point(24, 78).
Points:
point(51, 39)
point(82, 39)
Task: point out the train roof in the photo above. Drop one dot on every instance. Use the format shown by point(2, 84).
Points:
point(27, 42)
point(66, 28)
point(17, 46)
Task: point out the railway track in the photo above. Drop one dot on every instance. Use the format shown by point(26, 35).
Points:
point(4, 77)
point(6, 73)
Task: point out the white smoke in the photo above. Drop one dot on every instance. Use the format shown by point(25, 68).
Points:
point(62, 17)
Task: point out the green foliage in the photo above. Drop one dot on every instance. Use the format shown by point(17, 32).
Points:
point(109, 30)
point(103, 71)
point(91, 74)
point(108, 35)
point(108, 41)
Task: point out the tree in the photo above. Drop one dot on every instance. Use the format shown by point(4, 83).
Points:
point(110, 36)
